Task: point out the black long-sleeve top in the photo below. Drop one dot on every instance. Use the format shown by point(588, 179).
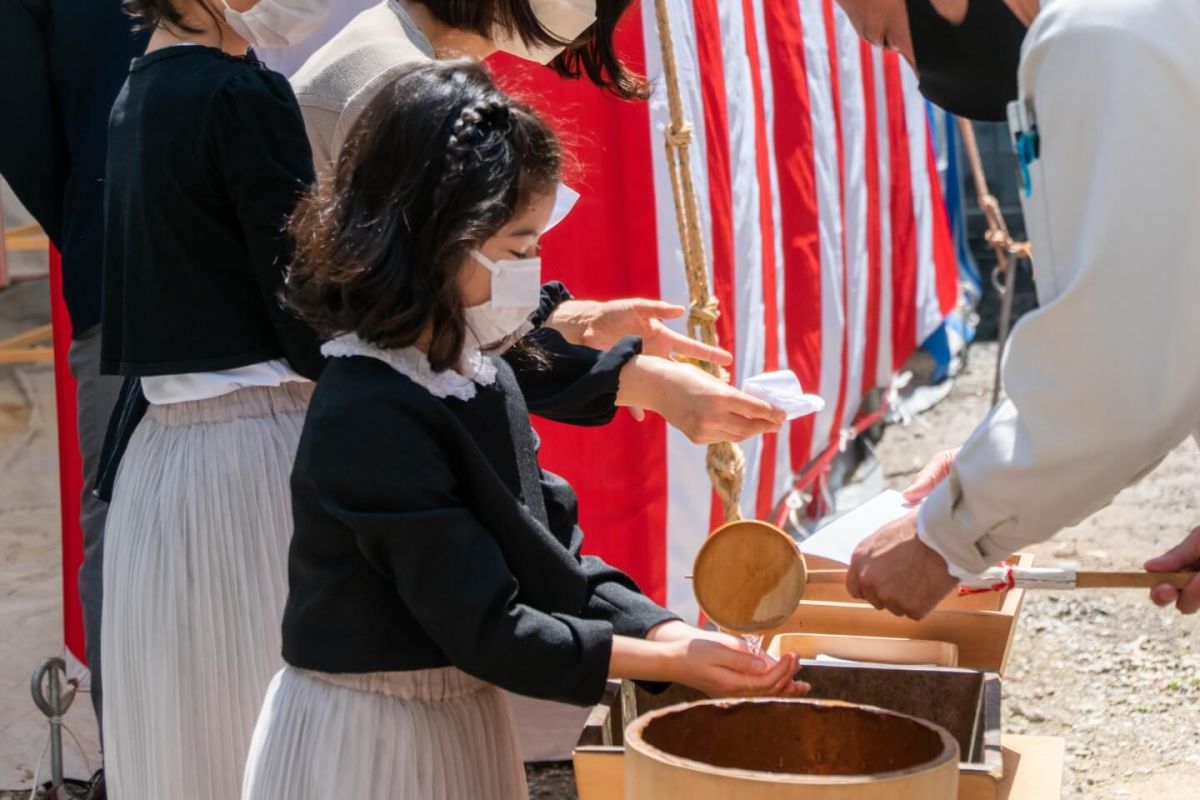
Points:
point(207, 159)
point(426, 536)
point(63, 62)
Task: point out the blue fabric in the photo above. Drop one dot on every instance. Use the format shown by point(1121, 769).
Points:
point(958, 330)
point(938, 346)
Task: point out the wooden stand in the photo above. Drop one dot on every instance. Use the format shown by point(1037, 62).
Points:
point(872, 649)
point(27, 347)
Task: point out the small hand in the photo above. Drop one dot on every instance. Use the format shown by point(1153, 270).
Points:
point(893, 569)
point(602, 325)
point(928, 478)
point(1184, 557)
point(729, 669)
point(704, 408)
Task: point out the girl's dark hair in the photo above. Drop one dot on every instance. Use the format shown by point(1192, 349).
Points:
point(438, 163)
point(593, 54)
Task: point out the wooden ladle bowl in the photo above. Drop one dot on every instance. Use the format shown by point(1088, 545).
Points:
point(749, 576)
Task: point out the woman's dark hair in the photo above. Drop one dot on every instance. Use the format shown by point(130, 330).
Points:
point(151, 13)
point(593, 54)
point(436, 165)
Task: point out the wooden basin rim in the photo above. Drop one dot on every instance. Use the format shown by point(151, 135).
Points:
point(799, 738)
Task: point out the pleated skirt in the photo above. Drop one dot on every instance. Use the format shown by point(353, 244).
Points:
point(195, 578)
point(427, 735)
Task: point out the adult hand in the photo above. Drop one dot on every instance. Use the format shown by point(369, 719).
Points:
point(729, 669)
point(704, 408)
point(934, 473)
point(602, 325)
point(1184, 557)
point(893, 569)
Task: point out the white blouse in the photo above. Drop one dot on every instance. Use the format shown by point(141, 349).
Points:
point(474, 367)
point(165, 390)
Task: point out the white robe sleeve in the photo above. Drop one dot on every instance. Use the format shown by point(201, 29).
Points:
point(1103, 379)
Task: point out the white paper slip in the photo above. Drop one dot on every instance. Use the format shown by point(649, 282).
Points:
point(782, 389)
point(838, 539)
point(827, 659)
point(564, 202)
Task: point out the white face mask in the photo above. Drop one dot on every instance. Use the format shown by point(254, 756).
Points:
point(516, 294)
point(278, 23)
point(566, 19)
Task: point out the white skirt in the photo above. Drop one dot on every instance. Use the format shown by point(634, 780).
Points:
point(195, 577)
point(434, 734)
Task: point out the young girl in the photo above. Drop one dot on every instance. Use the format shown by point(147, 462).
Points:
point(433, 562)
point(207, 159)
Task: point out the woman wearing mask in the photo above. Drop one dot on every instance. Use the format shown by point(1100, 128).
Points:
point(574, 38)
point(207, 158)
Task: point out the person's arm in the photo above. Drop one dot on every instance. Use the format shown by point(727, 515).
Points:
point(570, 383)
point(261, 147)
point(602, 324)
point(33, 153)
point(406, 512)
point(612, 595)
point(1102, 379)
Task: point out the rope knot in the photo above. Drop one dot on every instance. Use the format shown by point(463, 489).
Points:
point(707, 312)
point(679, 134)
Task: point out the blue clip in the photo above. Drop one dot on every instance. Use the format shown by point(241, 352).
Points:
point(1028, 151)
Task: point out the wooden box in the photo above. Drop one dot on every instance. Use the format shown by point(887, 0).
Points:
point(871, 649)
point(965, 702)
point(980, 625)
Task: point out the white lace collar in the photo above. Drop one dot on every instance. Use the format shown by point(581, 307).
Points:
point(475, 368)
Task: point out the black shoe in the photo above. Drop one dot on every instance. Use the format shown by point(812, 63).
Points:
point(95, 788)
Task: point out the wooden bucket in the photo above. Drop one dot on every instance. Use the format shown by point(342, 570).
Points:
point(787, 750)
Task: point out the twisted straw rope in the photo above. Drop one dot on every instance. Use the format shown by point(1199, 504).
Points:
point(725, 462)
point(997, 234)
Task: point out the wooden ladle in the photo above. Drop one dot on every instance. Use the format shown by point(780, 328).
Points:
point(749, 576)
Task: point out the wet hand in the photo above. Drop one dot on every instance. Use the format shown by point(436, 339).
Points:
point(728, 669)
point(705, 409)
point(1184, 557)
point(893, 569)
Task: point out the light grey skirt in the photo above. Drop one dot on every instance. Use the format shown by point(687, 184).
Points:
point(435, 734)
point(195, 578)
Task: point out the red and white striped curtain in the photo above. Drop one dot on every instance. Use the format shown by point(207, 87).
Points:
point(825, 229)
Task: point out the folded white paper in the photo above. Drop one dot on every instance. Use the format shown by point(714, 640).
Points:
point(838, 539)
point(564, 201)
point(782, 389)
point(1009, 577)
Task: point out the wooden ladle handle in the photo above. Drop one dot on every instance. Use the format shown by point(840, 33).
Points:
point(1132, 580)
point(1083, 580)
point(826, 576)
